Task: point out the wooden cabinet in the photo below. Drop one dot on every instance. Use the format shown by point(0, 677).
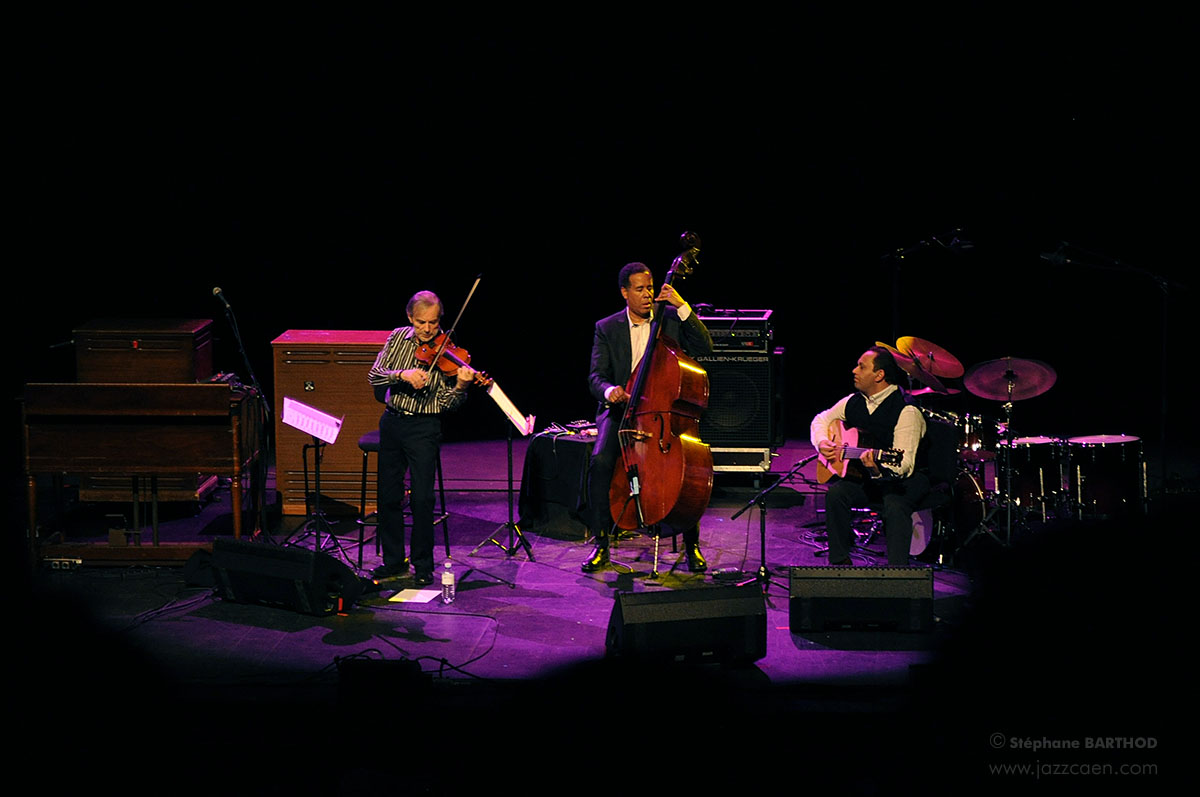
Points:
point(144, 351)
point(164, 350)
point(326, 369)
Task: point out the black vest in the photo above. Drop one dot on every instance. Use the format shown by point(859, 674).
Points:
point(877, 429)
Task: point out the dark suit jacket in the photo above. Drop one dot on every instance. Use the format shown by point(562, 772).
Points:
point(612, 351)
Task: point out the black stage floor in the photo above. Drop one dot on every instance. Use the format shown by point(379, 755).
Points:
point(1043, 638)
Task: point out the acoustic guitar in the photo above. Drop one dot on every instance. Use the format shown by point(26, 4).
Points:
point(845, 460)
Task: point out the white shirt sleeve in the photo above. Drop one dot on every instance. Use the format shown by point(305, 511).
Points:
point(910, 428)
point(818, 430)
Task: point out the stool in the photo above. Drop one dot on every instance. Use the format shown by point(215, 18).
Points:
point(368, 444)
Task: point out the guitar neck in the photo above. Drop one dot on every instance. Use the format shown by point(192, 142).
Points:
point(849, 452)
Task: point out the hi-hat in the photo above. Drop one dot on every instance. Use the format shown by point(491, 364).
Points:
point(929, 391)
point(1010, 379)
point(930, 357)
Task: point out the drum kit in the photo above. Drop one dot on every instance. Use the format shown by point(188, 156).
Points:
point(1005, 480)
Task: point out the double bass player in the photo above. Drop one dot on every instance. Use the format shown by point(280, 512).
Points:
point(618, 345)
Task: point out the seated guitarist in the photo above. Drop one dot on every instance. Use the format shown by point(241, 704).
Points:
point(879, 413)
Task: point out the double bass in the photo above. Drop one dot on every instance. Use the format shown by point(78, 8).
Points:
point(667, 473)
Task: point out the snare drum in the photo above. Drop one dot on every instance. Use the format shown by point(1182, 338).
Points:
point(1107, 475)
point(1034, 473)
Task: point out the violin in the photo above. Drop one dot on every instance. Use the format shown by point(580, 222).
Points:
point(449, 358)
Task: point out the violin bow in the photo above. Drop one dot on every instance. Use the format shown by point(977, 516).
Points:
point(450, 332)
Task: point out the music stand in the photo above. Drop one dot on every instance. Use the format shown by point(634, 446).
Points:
point(324, 429)
point(524, 425)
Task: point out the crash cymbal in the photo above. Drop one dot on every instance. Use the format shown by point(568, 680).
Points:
point(892, 349)
point(933, 358)
point(1010, 378)
point(913, 368)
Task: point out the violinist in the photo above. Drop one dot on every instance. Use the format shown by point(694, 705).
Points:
point(415, 395)
point(618, 344)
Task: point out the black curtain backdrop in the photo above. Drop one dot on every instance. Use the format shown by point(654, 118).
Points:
point(321, 168)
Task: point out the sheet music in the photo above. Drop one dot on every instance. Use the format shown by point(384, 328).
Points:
point(524, 424)
point(310, 420)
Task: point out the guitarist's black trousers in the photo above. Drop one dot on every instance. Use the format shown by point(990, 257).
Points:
point(898, 497)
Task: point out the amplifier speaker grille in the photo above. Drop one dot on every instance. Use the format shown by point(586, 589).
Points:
point(745, 400)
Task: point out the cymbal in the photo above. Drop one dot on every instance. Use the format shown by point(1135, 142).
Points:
point(933, 358)
point(913, 368)
point(1010, 378)
point(929, 391)
point(929, 380)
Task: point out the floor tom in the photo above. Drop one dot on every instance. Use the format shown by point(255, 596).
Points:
point(1107, 476)
point(1034, 473)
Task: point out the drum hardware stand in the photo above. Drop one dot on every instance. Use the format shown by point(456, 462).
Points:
point(1006, 492)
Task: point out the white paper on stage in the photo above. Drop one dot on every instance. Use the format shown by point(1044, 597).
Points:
point(311, 421)
point(415, 595)
point(524, 424)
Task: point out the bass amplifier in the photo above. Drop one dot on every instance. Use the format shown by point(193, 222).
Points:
point(745, 399)
point(739, 330)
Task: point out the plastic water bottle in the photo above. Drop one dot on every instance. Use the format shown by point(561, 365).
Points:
point(448, 583)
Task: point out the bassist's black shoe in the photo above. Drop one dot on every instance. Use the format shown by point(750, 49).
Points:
point(696, 561)
point(599, 557)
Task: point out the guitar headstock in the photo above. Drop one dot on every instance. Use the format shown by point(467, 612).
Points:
point(889, 456)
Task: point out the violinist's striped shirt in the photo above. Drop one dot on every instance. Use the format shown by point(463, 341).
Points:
point(399, 353)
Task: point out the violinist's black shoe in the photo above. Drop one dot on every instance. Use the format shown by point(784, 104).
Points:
point(599, 557)
point(696, 561)
point(390, 571)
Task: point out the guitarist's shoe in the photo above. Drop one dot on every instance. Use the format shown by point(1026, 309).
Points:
point(847, 562)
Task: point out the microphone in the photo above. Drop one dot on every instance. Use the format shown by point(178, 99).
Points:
point(221, 296)
point(807, 460)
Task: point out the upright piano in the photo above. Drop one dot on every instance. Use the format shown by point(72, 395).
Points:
point(144, 430)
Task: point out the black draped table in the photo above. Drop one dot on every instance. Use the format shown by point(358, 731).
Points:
point(554, 483)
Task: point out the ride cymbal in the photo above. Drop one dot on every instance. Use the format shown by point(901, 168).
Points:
point(932, 358)
point(1009, 379)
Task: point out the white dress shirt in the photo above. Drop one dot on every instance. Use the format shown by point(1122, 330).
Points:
point(910, 428)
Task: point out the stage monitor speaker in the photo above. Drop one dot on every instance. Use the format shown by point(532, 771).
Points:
point(745, 399)
point(305, 581)
point(884, 598)
point(705, 624)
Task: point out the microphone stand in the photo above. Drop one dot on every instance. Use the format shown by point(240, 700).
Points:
point(763, 576)
point(259, 488)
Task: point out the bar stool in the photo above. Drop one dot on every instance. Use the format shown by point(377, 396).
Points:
point(369, 444)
